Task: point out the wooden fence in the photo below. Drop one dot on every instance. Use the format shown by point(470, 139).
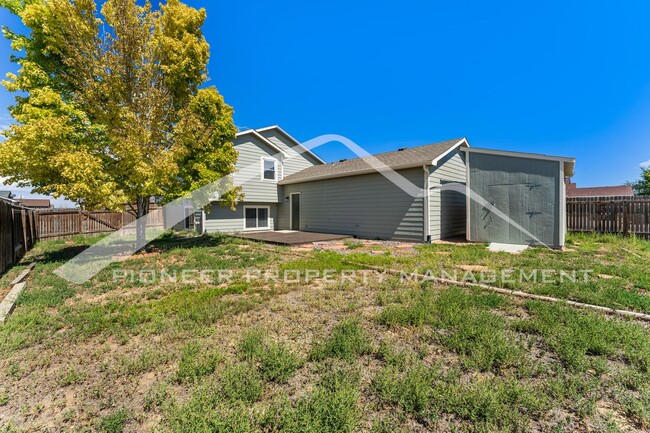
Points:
point(624, 215)
point(62, 223)
point(18, 233)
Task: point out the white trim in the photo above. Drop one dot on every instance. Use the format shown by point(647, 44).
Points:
point(519, 154)
point(562, 211)
point(468, 200)
point(268, 218)
point(275, 161)
point(427, 203)
point(307, 151)
point(262, 139)
point(461, 142)
point(291, 210)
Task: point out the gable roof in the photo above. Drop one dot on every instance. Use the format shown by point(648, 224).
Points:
point(261, 138)
point(290, 137)
point(256, 133)
point(419, 156)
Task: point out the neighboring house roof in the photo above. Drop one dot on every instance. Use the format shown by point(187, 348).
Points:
point(419, 156)
point(34, 202)
point(568, 162)
point(598, 191)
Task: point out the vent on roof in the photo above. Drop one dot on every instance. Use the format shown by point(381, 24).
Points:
point(342, 160)
point(401, 148)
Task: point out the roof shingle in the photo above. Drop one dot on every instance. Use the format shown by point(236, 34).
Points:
point(397, 159)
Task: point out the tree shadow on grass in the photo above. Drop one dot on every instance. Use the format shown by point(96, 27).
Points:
point(174, 241)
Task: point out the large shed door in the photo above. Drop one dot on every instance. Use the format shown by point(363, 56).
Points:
point(530, 205)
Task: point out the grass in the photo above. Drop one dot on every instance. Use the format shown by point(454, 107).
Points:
point(379, 355)
point(348, 341)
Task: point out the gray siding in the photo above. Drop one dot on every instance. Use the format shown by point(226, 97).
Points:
point(526, 190)
point(225, 220)
point(249, 170)
point(295, 161)
point(367, 206)
point(447, 207)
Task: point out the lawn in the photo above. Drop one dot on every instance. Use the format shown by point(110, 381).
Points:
point(378, 353)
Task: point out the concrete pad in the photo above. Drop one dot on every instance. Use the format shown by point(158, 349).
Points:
point(506, 248)
point(7, 305)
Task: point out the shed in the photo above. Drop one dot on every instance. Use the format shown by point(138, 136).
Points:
point(516, 198)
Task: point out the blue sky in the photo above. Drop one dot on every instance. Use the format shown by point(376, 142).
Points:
point(565, 78)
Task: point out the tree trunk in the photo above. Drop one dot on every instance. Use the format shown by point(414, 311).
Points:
point(141, 222)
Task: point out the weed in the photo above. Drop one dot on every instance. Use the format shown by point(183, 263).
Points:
point(278, 363)
point(71, 376)
point(240, 382)
point(347, 342)
point(331, 407)
point(196, 362)
point(352, 244)
point(113, 423)
point(410, 388)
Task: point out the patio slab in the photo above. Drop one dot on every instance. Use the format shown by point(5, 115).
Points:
point(287, 237)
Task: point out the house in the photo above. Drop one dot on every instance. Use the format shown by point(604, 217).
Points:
point(35, 203)
point(413, 194)
point(8, 197)
point(599, 191)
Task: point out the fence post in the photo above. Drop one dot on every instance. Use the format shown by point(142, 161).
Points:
point(626, 222)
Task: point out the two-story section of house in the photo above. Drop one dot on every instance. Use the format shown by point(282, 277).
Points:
point(266, 156)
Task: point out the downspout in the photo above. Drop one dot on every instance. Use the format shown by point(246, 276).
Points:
point(427, 210)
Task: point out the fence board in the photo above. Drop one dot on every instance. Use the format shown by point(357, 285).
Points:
point(623, 215)
point(62, 223)
point(17, 233)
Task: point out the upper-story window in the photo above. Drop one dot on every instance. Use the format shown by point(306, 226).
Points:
point(269, 169)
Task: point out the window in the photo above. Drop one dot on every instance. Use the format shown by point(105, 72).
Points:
point(269, 171)
point(256, 218)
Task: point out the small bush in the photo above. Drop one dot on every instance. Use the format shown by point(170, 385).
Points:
point(196, 363)
point(242, 383)
point(347, 342)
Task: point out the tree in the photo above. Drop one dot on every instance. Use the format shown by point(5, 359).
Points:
point(642, 186)
point(109, 107)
